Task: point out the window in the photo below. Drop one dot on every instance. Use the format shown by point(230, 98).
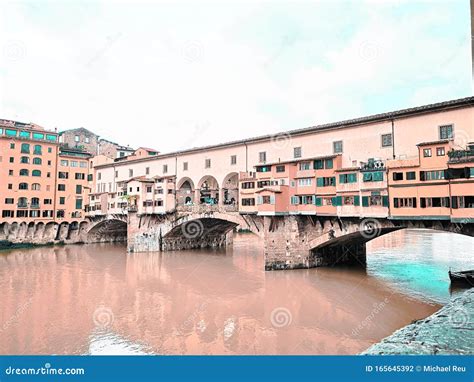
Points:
point(148, 189)
point(36, 187)
point(348, 178)
point(10, 133)
point(329, 163)
point(264, 168)
point(386, 140)
point(12, 159)
point(63, 175)
point(23, 186)
point(248, 201)
point(22, 202)
point(280, 168)
point(207, 163)
point(147, 170)
point(76, 138)
point(51, 137)
point(262, 157)
point(7, 214)
point(266, 199)
point(80, 176)
point(446, 132)
point(440, 151)
point(50, 150)
point(99, 176)
point(326, 181)
point(60, 214)
point(434, 202)
point(61, 187)
point(49, 163)
point(233, 159)
point(165, 168)
point(83, 164)
point(130, 173)
point(337, 147)
point(38, 136)
point(23, 160)
point(74, 163)
point(64, 162)
point(87, 140)
point(248, 185)
point(25, 134)
point(404, 202)
point(47, 201)
point(62, 200)
point(37, 150)
point(35, 202)
point(78, 203)
point(432, 175)
point(297, 152)
point(10, 186)
point(9, 201)
point(185, 166)
point(12, 145)
point(426, 153)
point(37, 161)
point(25, 148)
point(10, 172)
point(24, 172)
point(411, 175)
point(305, 166)
point(78, 189)
point(375, 176)
point(398, 176)
point(116, 174)
point(304, 182)
point(318, 164)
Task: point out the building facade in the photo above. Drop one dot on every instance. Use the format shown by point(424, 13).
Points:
point(81, 139)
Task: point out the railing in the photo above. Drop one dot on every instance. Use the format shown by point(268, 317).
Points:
point(460, 155)
point(22, 205)
point(132, 208)
point(35, 206)
point(205, 208)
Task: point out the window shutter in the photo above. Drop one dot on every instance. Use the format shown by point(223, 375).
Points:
point(422, 175)
point(320, 182)
point(341, 178)
point(454, 201)
point(329, 163)
point(365, 201)
point(414, 202)
point(385, 201)
point(367, 177)
point(318, 201)
point(356, 200)
point(395, 202)
point(422, 202)
point(259, 200)
point(272, 199)
point(338, 200)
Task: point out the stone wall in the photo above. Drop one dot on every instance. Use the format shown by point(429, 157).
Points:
point(68, 137)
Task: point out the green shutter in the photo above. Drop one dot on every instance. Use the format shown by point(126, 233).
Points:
point(356, 200)
point(318, 201)
point(318, 164)
point(367, 177)
point(385, 201)
point(329, 163)
point(338, 200)
point(365, 201)
point(352, 178)
point(341, 178)
point(320, 182)
point(378, 176)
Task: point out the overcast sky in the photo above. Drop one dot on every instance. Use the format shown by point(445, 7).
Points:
point(174, 75)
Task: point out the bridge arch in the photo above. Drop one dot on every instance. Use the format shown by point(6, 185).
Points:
point(111, 229)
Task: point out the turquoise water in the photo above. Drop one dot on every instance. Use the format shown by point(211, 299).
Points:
point(417, 261)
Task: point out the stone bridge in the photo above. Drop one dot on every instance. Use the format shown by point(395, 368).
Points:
point(189, 227)
point(293, 242)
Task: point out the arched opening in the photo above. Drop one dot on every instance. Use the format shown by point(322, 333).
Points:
point(109, 230)
point(199, 233)
point(230, 190)
point(185, 192)
point(208, 190)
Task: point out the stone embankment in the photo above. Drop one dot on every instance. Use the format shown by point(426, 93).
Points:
point(448, 331)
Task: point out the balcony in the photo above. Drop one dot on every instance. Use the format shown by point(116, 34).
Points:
point(22, 205)
point(35, 206)
point(460, 156)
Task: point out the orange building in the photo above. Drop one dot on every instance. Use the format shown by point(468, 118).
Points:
point(28, 161)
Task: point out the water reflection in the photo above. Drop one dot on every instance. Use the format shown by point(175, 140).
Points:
point(97, 299)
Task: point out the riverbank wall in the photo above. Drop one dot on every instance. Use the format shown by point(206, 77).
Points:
point(448, 331)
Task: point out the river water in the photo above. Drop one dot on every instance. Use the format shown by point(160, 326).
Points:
point(97, 299)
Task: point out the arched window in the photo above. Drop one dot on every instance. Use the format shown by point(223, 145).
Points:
point(36, 187)
point(23, 186)
point(22, 202)
point(24, 160)
point(36, 173)
point(37, 161)
point(25, 148)
point(24, 172)
point(37, 150)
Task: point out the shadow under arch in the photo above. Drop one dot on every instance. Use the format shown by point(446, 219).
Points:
point(108, 230)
